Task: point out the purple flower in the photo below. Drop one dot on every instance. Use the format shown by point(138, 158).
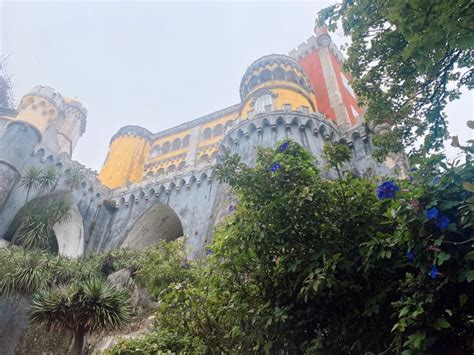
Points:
point(387, 189)
point(434, 272)
point(231, 209)
point(283, 147)
point(209, 252)
point(275, 167)
point(432, 213)
point(436, 180)
point(412, 170)
point(411, 256)
point(442, 222)
point(410, 178)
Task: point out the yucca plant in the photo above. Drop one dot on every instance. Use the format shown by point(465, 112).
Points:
point(86, 307)
point(36, 228)
point(48, 178)
point(31, 180)
point(24, 271)
point(74, 176)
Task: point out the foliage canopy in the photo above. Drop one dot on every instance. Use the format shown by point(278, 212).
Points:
point(408, 59)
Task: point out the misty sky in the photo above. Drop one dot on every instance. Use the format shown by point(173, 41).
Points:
point(153, 64)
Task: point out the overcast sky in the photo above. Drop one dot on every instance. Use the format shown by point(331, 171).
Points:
point(152, 64)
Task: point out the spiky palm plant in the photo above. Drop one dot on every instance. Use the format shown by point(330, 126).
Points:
point(24, 271)
point(31, 180)
point(74, 176)
point(36, 228)
point(86, 307)
point(48, 178)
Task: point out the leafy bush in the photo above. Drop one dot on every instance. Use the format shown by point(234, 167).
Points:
point(161, 265)
point(303, 264)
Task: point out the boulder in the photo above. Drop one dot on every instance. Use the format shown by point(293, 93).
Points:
point(109, 341)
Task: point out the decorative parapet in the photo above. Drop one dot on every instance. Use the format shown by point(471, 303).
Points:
point(133, 131)
point(314, 43)
point(73, 105)
point(49, 94)
point(148, 189)
point(247, 83)
point(314, 122)
point(198, 121)
point(8, 112)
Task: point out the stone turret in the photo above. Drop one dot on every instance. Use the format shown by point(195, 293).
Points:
point(72, 126)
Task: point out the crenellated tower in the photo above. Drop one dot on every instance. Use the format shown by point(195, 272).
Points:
point(322, 61)
point(127, 151)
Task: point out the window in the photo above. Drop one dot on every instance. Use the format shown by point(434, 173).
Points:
point(218, 130)
point(185, 141)
point(166, 147)
point(262, 102)
point(176, 144)
point(155, 151)
point(207, 133)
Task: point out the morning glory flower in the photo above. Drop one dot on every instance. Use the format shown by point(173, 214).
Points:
point(283, 147)
point(275, 167)
point(387, 189)
point(432, 213)
point(436, 180)
point(410, 178)
point(442, 222)
point(411, 256)
point(412, 170)
point(231, 209)
point(434, 272)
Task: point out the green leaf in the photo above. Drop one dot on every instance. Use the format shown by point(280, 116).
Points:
point(468, 186)
point(469, 256)
point(470, 275)
point(442, 257)
point(441, 323)
point(463, 299)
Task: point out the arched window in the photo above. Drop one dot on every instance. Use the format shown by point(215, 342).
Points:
point(206, 134)
point(185, 142)
point(218, 130)
point(176, 144)
point(265, 75)
point(279, 74)
point(155, 151)
point(166, 147)
point(262, 102)
point(160, 171)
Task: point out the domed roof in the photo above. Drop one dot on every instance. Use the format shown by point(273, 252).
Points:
point(273, 67)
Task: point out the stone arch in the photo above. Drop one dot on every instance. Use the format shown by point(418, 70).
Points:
point(155, 151)
point(279, 74)
point(159, 222)
point(165, 148)
point(68, 234)
point(206, 134)
point(176, 144)
point(185, 141)
point(218, 130)
point(265, 75)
